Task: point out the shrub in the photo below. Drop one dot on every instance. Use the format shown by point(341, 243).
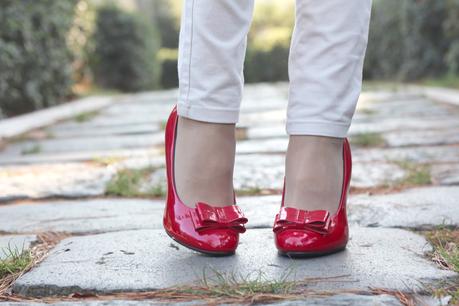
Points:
point(125, 52)
point(267, 65)
point(35, 61)
point(267, 56)
point(424, 44)
point(385, 52)
point(413, 39)
point(169, 75)
point(80, 43)
point(451, 29)
point(166, 20)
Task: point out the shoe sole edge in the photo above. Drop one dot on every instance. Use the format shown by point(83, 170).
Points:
point(309, 254)
point(205, 252)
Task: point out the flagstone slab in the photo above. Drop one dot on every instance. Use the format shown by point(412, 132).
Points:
point(423, 207)
point(407, 108)
point(81, 156)
point(415, 208)
point(53, 180)
point(83, 130)
point(255, 173)
point(427, 154)
point(82, 216)
point(111, 214)
point(149, 260)
point(84, 144)
point(87, 302)
point(335, 300)
point(270, 145)
point(441, 130)
point(15, 244)
point(445, 174)
point(418, 138)
point(266, 171)
point(379, 125)
point(345, 300)
point(18, 125)
point(262, 117)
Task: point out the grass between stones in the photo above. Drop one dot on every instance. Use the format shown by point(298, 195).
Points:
point(219, 288)
point(162, 125)
point(367, 111)
point(14, 261)
point(416, 174)
point(242, 133)
point(131, 183)
point(256, 191)
point(449, 81)
point(446, 254)
point(34, 149)
point(84, 117)
point(18, 262)
point(380, 85)
point(108, 160)
point(368, 140)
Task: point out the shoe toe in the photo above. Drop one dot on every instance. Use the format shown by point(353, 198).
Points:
point(297, 240)
point(220, 241)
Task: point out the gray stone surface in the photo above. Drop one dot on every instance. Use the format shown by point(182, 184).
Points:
point(107, 303)
point(79, 156)
point(84, 144)
point(266, 171)
point(440, 94)
point(441, 130)
point(21, 124)
point(417, 138)
point(148, 259)
point(416, 208)
point(53, 180)
point(336, 300)
point(445, 174)
point(271, 145)
point(384, 125)
point(83, 130)
point(428, 154)
point(263, 117)
point(15, 244)
point(345, 300)
point(82, 216)
point(260, 172)
point(408, 107)
point(107, 215)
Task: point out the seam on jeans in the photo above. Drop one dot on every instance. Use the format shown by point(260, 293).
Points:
point(189, 107)
point(317, 123)
point(191, 50)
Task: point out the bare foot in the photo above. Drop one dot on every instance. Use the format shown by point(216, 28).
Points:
point(314, 173)
point(204, 162)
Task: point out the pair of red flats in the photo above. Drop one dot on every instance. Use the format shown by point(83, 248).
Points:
point(215, 230)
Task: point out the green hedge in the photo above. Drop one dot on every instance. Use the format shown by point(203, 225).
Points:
point(169, 75)
point(125, 52)
point(35, 62)
point(267, 55)
point(413, 39)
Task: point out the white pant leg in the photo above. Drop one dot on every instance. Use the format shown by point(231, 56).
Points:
point(325, 65)
point(213, 38)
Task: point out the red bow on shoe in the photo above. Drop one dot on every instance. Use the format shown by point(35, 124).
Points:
point(291, 218)
point(228, 217)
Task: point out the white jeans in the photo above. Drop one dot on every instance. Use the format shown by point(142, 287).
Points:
point(325, 65)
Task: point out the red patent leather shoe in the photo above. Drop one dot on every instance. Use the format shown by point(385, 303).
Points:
point(302, 233)
point(206, 229)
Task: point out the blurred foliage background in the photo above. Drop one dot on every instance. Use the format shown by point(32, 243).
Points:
point(52, 51)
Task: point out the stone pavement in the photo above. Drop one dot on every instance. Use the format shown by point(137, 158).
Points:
point(99, 178)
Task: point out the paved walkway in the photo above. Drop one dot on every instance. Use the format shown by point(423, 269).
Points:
point(98, 180)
